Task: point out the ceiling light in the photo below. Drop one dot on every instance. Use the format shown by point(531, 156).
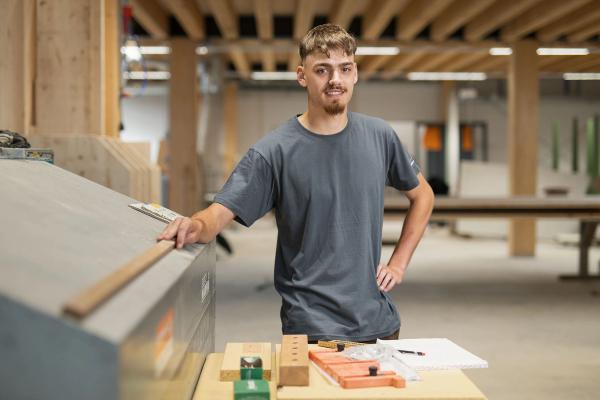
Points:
point(201, 50)
point(500, 51)
point(558, 51)
point(273, 76)
point(377, 51)
point(446, 76)
point(147, 75)
point(581, 76)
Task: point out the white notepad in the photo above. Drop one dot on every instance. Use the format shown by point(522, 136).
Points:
point(439, 354)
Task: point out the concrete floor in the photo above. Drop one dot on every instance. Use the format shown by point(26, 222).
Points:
point(540, 336)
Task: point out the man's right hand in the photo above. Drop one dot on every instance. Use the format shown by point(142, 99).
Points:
point(185, 229)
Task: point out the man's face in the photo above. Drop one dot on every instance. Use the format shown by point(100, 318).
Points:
point(329, 80)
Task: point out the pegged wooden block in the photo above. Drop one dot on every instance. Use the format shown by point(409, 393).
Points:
point(293, 364)
point(230, 369)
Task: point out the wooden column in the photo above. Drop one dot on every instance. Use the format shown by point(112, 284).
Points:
point(230, 127)
point(523, 99)
point(77, 68)
point(183, 171)
point(17, 24)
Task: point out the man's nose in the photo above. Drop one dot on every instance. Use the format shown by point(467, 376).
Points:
point(334, 77)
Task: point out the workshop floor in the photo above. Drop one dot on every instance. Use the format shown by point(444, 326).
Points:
point(540, 336)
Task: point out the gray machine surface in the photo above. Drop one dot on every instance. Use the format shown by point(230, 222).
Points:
point(62, 233)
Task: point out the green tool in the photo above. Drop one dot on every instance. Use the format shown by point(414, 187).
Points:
point(251, 389)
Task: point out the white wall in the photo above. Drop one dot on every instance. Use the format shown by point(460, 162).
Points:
point(260, 110)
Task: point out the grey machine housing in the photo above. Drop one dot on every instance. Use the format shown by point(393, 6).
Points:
point(62, 233)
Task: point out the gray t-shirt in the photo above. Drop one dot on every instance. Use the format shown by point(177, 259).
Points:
point(327, 192)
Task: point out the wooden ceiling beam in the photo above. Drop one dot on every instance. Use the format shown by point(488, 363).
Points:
point(455, 17)
point(400, 63)
point(226, 18)
point(538, 16)
point(152, 17)
point(499, 13)
point(433, 62)
point(574, 64)
point(592, 66)
point(378, 16)
point(188, 15)
point(585, 32)
point(293, 61)
point(303, 17)
point(342, 13)
point(371, 65)
point(416, 16)
point(544, 61)
point(490, 63)
point(263, 12)
point(464, 59)
point(571, 22)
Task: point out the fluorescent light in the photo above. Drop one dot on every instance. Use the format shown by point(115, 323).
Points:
point(557, 51)
point(273, 76)
point(132, 53)
point(377, 51)
point(500, 51)
point(201, 50)
point(147, 75)
point(581, 76)
point(446, 76)
point(153, 50)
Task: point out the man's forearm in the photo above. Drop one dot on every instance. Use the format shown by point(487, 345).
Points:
point(212, 221)
point(414, 225)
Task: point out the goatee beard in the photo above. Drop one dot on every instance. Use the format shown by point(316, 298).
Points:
point(334, 109)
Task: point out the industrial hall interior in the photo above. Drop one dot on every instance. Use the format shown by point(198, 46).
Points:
point(299, 199)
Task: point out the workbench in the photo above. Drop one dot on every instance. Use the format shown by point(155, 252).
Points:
point(585, 209)
point(435, 385)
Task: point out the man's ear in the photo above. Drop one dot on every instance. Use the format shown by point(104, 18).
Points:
point(300, 76)
point(355, 73)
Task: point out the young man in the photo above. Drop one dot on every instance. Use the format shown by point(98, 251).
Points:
point(324, 173)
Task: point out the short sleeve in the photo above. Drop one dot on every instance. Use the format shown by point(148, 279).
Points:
point(250, 190)
point(402, 169)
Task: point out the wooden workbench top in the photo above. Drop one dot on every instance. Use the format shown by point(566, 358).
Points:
point(436, 385)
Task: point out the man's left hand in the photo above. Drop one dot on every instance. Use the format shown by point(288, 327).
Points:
point(388, 277)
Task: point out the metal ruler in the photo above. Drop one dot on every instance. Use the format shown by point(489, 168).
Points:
point(27, 154)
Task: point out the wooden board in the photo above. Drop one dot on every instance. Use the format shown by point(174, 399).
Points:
point(230, 370)
point(293, 367)
point(436, 385)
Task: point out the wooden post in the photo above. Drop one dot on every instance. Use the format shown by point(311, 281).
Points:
point(76, 90)
point(183, 169)
point(230, 123)
point(17, 20)
point(112, 51)
point(523, 99)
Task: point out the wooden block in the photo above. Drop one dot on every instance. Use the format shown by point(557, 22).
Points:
point(372, 381)
point(230, 369)
point(293, 365)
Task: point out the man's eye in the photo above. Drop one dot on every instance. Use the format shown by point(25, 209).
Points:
point(347, 69)
point(321, 70)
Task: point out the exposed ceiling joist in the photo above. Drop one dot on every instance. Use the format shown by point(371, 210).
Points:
point(188, 16)
point(303, 17)
point(151, 17)
point(227, 21)
point(455, 17)
point(490, 63)
point(564, 64)
point(501, 12)
point(264, 26)
point(464, 59)
point(538, 16)
point(369, 67)
point(378, 16)
point(226, 18)
point(293, 61)
point(400, 63)
point(571, 22)
point(433, 61)
point(583, 33)
point(342, 13)
point(592, 67)
point(544, 61)
point(416, 16)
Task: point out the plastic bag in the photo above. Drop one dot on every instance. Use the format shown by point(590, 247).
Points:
point(386, 355)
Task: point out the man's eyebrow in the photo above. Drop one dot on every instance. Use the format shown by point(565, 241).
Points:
point(324, 64)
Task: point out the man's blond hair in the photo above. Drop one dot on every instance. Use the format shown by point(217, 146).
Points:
point(327, 37)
